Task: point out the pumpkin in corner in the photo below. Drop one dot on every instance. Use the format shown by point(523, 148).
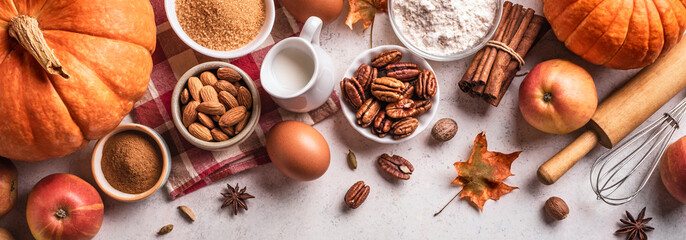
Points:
point(620, 34)
point(71, 70)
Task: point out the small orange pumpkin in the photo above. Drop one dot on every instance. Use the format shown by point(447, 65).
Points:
point(71, 70)
point(621, 34)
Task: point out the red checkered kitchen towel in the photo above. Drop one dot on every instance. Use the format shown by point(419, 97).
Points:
point(193, 168)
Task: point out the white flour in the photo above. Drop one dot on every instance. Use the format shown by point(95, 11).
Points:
point(444, 27)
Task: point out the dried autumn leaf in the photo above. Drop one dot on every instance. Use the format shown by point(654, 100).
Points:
point(364, 10)
point(483, 174)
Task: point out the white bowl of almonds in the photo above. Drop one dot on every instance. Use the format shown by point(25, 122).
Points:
point(215, 105)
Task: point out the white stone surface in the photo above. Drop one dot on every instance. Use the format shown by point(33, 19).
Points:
point(286, 209)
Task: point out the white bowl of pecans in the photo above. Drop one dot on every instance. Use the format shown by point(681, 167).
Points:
point(390, 94)
point(215, 105)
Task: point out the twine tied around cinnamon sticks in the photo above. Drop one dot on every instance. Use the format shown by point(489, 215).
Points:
point(495, 66)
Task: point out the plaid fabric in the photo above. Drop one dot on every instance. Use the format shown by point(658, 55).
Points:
point(193, 168)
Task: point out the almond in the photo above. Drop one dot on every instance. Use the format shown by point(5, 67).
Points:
point(244, 97)
point(205, 120)
point(200, 132)
point(228, 74)
point(242, 123)
point(194, 85)
point(185, 96)
point(211, 108)
point(233, 116)
point(208, 94)
point(229, 131)
point(218, 135)
point(208, 78)
point(216, 117)
point(228, 100)
point(190, 113)
point(223, 85)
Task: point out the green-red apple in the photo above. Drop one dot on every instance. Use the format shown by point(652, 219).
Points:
point(64, 206)
point(673, 169)
point(8, 185)
point(557, 97)
point(5, 235)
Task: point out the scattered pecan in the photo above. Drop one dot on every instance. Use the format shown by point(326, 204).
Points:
point(382, 124)
point(356, 195)
point(387, 57)
point(404, 128)
point(365, 74)
point(401, 109)
point(353, 92)
point(367, 112)
point(421, 107)
point(426, 85)
point(387, 89)
point(409, 91)
point(396, 166)
point(405, 72)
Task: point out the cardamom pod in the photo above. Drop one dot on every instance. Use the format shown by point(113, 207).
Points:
point(352, 160)
point(166, 229)
point(187, 212)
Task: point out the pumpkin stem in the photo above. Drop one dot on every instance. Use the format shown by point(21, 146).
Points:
point(26, 31)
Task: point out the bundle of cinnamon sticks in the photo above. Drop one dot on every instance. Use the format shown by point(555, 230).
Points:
point(492, 70)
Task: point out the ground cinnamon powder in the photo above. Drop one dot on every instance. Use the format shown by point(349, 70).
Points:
point(131, 162)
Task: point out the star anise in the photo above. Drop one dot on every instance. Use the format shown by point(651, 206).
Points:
point(636, 228)
point(236, 198)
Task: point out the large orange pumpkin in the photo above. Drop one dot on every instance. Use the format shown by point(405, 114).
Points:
point(70, 70)
point(621, 34)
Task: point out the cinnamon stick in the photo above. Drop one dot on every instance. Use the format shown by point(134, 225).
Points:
point(466, 83)
point(509, 16)
point(534, 32)
point(503, 58)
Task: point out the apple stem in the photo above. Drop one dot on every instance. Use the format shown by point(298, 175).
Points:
point(547, 97)
point(61, 214)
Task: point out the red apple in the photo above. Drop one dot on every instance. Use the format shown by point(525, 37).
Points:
point(8, 185)
point(673, 169)
point(64, 206)
point(557, 97)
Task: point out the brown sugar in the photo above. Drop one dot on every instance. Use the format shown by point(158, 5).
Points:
point(131, 162)
point(222, 25)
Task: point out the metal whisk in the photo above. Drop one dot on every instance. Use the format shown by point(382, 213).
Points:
point(616, 167)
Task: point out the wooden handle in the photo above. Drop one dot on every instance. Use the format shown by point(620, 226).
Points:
point(558, 165)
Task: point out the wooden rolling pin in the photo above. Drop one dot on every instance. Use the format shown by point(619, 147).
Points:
point(623, 111)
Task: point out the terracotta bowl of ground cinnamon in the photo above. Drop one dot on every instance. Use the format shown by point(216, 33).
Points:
point(131, 162)
point(221, 28)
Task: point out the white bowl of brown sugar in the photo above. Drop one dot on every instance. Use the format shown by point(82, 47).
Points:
point(131, 162)
point(221, 28)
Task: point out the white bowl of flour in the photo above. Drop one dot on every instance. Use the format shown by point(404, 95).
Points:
point(445, 30)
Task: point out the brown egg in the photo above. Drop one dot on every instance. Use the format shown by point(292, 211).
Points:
point(327, 10)
point(298, 150)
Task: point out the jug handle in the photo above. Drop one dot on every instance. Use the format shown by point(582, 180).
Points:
point(312, 29)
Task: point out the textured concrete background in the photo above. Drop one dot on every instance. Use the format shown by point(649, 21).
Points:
point(285, 209)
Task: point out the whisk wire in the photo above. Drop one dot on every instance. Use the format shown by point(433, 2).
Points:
point(613, 169)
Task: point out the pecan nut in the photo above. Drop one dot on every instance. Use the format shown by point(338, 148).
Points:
point(401, 109)
point(396, 166)
point(409, 91)
point(382, 124)
point(367, 112)
point(352, 92)
point(421, 107)
point(356, 195)
point(426, 85)
point(387, 89)
point(405, 72)
point(404, 128)
point(365, 74)
point(387, 57)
